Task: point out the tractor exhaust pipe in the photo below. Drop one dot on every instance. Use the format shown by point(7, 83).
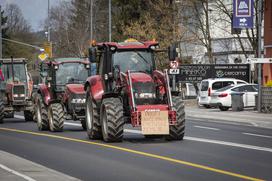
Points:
point(12, 68)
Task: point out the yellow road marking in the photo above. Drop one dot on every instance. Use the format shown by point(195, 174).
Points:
point(139, 153)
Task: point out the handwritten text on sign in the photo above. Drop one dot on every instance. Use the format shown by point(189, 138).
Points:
point(155, 122)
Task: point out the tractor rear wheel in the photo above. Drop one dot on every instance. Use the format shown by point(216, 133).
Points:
point(112, 119)
point(41, 114)
point(2, 113)
point(56, 117)
point(93, 125)
point(176, 132)
point(28, 115)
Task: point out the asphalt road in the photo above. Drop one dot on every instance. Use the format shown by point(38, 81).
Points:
point(210, 151)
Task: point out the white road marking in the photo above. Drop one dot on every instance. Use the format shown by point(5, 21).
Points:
point(19, 116)
point(258, 135)
point(195, 139)
point(204, 127)
point(133, 131)
point(16, 173)
point(73, 124)
point(229, 144)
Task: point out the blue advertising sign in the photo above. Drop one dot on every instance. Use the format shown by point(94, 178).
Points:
point(243, 14)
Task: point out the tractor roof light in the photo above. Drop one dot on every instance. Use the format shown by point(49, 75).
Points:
point(113, 48)
point(56, 67)
point(130, 40)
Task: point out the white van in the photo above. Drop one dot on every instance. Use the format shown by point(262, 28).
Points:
point(208, 86)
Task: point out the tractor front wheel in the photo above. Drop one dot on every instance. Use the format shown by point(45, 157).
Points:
point(112, 118)
point(176, 132)
point(93, 125)
point(56, 117)
point(2, 113)
point(41, 114)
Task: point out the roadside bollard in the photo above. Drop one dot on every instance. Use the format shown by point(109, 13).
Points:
point(237, 103)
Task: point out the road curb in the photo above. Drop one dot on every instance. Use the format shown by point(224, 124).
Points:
point(19, 168)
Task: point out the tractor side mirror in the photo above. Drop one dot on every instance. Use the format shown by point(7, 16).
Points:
point(92, 54)
point(172, 53)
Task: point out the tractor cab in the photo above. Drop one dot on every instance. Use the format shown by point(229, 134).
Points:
point(16, 88)
point(64, 71)
point(17, 83)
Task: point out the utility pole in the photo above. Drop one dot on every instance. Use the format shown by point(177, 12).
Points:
point(91, 23)
point(0, 32)
point(260, 14)
point(48, 16)
point(109, 20)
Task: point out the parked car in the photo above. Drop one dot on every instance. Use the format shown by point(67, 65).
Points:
point(209, 86)
point(222, 97)
point(188, 91)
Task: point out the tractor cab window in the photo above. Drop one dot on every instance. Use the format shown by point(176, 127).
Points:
point(19, 72)
point(74, 73)
point(141, 61)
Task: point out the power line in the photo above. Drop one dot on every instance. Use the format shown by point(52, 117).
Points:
point(21, 43)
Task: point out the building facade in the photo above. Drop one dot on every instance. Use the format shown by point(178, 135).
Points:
point(267, 68)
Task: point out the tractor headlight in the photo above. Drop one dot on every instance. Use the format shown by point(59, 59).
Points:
point(78, 101)
point(22, 95)
point(15, 95)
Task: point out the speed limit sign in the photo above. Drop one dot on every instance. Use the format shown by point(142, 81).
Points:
point(174, 64)
point(173, 71)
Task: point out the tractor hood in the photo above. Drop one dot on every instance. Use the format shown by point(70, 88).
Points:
point(141, 77)
point(76, 88)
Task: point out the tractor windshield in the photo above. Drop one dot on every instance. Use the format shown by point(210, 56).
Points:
point(141, 61)
point(73, 73)
point(19, 72)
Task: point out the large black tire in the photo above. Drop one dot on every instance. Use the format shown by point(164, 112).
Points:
point(207, 106)
point(34, 102)
point(9, 114)
point(2, 113)
point(112, 119)
point(176, 132)
point(56, 117)
point(28, 116)
point(223, 108)
point(93, 125)
point(41, 114)
point(83, 124)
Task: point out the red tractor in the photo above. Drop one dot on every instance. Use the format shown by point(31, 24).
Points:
point(129, 89)
point(61, 96)
point(15, 89)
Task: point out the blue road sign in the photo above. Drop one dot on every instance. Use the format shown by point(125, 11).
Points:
point(243, 14)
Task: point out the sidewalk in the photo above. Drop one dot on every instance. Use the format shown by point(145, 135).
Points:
point(14, 168)
point(246, 117)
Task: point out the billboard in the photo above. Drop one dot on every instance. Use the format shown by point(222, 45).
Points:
point(198, 72)
point(243, 14)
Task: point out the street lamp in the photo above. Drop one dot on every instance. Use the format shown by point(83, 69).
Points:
point(109, 20)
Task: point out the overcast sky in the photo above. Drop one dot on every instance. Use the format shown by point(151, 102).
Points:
point(34, 11)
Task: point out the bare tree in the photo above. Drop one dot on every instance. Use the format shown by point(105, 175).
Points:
point(198, 23)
